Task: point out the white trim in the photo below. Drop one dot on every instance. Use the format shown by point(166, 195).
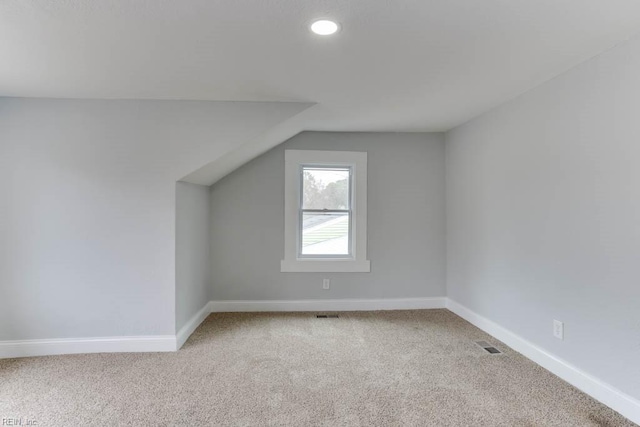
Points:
point(621, 402)
point(324, 266)
point(185, 332)
point(358, 261)
point(49, 347)
point(231, 306)
point(165, 343)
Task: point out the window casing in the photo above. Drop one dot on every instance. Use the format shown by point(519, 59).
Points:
point(325, 211)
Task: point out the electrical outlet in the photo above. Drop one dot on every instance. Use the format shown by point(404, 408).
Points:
point(558, 329)
point(326, 283)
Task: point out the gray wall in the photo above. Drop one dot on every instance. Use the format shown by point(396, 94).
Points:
point(406, 222)
point(193, 269)
point(87, 213)
point(544, 216)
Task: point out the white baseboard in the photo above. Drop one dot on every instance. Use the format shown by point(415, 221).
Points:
point(185, 332)
point(230, 306)
point(621, 402)
point(236, 306)
point(596, 388)
point(50, 347)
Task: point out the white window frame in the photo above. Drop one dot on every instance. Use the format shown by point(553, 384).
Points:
point(355, 262)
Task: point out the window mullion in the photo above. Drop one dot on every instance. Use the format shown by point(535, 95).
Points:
point(326, 210)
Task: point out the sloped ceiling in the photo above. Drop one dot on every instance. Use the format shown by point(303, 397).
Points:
point(395, 66)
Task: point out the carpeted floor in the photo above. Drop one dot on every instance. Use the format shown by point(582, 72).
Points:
point(395, 368)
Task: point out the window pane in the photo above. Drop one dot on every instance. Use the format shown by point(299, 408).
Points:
point(325, 233)
point(325, 188)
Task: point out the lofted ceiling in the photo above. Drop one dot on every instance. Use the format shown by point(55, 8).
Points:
point(407, 65)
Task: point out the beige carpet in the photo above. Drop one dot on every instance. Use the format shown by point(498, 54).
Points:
point(413, 368)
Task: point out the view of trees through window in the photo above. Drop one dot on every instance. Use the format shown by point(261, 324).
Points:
point(326, 190)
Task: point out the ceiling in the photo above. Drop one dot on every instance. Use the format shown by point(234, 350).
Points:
point(408, 65)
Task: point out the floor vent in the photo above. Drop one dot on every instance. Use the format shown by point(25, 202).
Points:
point(488, 347)
point(327, 316)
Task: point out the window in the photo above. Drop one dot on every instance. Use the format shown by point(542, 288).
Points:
point(325, 211)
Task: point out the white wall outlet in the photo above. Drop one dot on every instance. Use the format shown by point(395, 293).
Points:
point(326, 283)
point(558, 329)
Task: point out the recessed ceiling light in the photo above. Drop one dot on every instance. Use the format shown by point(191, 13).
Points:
point(324, 27)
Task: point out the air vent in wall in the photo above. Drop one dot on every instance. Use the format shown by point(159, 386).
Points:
point(327, 316)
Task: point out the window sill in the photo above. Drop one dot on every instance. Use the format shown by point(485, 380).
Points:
point(324, 266)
